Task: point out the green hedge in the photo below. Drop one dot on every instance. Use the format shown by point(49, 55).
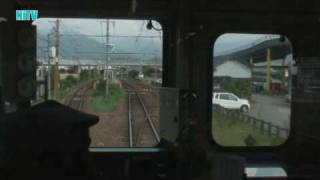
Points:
point(239, 87)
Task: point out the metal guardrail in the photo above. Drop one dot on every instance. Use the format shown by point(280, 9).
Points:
point(264, 127)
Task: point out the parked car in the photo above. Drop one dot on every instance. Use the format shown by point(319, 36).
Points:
point(230, 101)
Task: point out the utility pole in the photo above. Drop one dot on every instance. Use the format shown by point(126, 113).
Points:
point(106, 72)
point(268, 74)
point(290, 67)
point(252, 70)
point(77, 58)
point(283, 73)
point(56, 33)
point(48, 72)
point(107, 56)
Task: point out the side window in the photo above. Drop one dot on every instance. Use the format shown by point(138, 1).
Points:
point(217, 96)
point(254, 71)
point(232, 97)
point(224, 96)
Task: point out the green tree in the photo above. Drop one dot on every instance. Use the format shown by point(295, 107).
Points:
point(72, 69)
point(133, 74)
point(68, 82)
point(84, 75)
point(240, 87)
point(148, 71)
point(62, 71)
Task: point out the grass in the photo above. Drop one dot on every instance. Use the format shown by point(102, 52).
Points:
point(61, 93)
point(64, 91)
point(232, 132)
point(69, 85)
point(109, 103)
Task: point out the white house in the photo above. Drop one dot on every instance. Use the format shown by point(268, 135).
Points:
point(232, 69)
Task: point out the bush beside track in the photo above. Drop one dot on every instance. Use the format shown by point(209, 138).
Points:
point(106, 103)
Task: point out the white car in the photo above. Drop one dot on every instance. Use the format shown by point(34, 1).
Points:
point(230, 101)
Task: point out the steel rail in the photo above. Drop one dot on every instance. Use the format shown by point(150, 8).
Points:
point(155, 133)
point(149, 120)
point(130, 121)
point(79, 94)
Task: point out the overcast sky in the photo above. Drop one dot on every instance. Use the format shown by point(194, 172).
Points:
point(95, 27)
point(138, 27)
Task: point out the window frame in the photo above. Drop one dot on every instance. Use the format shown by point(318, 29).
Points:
point(164, 75)
point(211, 67)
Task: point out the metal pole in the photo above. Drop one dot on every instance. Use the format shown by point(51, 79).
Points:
point(283, 73)
point(107, 57)
point(48, 71)
point(268, 78)
point(56, 64)
point(289, 76)
point(130, 121)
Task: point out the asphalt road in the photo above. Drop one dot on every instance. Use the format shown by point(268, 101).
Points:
point(272, 109)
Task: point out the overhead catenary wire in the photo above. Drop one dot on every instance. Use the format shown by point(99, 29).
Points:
point(75, 43)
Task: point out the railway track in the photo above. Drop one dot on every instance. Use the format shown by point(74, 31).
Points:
point(77, 99)
point(137, 130)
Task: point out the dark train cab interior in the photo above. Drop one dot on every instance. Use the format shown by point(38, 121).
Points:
point(51, 141)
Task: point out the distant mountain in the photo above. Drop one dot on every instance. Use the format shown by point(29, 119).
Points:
point(84, 47)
